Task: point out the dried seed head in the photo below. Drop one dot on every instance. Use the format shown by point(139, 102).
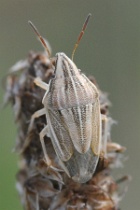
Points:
point(41, 187)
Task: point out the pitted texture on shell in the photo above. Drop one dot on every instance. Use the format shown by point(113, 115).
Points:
point(69, 88)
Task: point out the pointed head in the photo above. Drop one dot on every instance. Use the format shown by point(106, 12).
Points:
point(65, 67)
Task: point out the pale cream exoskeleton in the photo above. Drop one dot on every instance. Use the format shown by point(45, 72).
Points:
point(74, 124)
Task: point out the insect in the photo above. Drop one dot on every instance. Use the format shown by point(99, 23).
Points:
point(72, 108)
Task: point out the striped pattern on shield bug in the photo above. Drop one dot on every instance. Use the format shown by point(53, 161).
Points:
point(74, 123)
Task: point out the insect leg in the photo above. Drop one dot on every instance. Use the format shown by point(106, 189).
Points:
point(40, 83)
point(36, 115)
point(104, 135)
point(114, 147)
point(42, 134)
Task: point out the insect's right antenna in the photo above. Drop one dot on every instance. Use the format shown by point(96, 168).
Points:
point(40, 37)
point(81, 34)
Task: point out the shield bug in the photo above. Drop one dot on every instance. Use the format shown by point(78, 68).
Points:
point(72, 108)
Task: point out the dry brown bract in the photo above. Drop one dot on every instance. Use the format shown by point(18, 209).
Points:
point(39, 187)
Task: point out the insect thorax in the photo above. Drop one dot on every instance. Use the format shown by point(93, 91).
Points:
point(69, 92)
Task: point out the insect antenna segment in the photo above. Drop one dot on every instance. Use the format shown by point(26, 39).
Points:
point(40, 37)
point(81, 34)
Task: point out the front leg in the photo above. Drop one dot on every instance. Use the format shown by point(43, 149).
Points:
point(41, 84)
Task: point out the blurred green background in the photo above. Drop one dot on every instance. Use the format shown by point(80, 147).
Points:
point(110, 50)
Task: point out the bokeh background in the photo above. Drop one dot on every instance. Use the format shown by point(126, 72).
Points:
point(110, 50)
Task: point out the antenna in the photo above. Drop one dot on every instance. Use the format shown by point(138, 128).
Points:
point(81, 35)
point(40, 37)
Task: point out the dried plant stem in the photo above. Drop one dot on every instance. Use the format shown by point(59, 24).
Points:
point(40, 187)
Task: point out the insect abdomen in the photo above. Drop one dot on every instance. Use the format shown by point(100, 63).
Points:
point(73, 125)
point(77, 158)
point(81, 166)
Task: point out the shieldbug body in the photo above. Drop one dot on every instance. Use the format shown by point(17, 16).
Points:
point(72, 108)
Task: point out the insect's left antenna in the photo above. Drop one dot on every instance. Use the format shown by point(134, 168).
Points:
point(40, 37)
point(81, 34)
